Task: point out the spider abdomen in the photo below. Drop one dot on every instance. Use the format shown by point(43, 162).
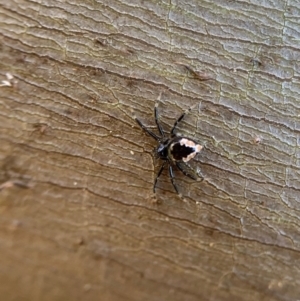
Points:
point(183, 149)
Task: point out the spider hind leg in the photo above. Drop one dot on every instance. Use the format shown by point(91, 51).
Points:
point(178, 120)
point(187, 170)
point(172, 178)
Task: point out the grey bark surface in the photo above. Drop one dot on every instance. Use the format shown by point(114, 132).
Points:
point(78, 219)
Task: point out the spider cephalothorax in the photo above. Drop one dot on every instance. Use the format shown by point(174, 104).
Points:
point(173, 150)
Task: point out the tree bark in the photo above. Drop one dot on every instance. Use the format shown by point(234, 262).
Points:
point(78, 216)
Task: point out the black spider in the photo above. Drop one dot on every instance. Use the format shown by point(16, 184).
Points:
point(173, 150)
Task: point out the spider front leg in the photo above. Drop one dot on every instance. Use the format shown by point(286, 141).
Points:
point(158, 175)
point(146, 130)
point(157, 122)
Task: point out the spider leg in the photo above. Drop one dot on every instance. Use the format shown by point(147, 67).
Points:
point(147, 131)
point(186, 173)
point(157, 122)
point(158, 175)
point(178, 120)
point(172, 178)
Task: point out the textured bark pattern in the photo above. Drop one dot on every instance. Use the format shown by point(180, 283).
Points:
point(77, 215)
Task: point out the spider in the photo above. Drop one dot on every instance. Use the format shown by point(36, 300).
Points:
point(173, 149)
